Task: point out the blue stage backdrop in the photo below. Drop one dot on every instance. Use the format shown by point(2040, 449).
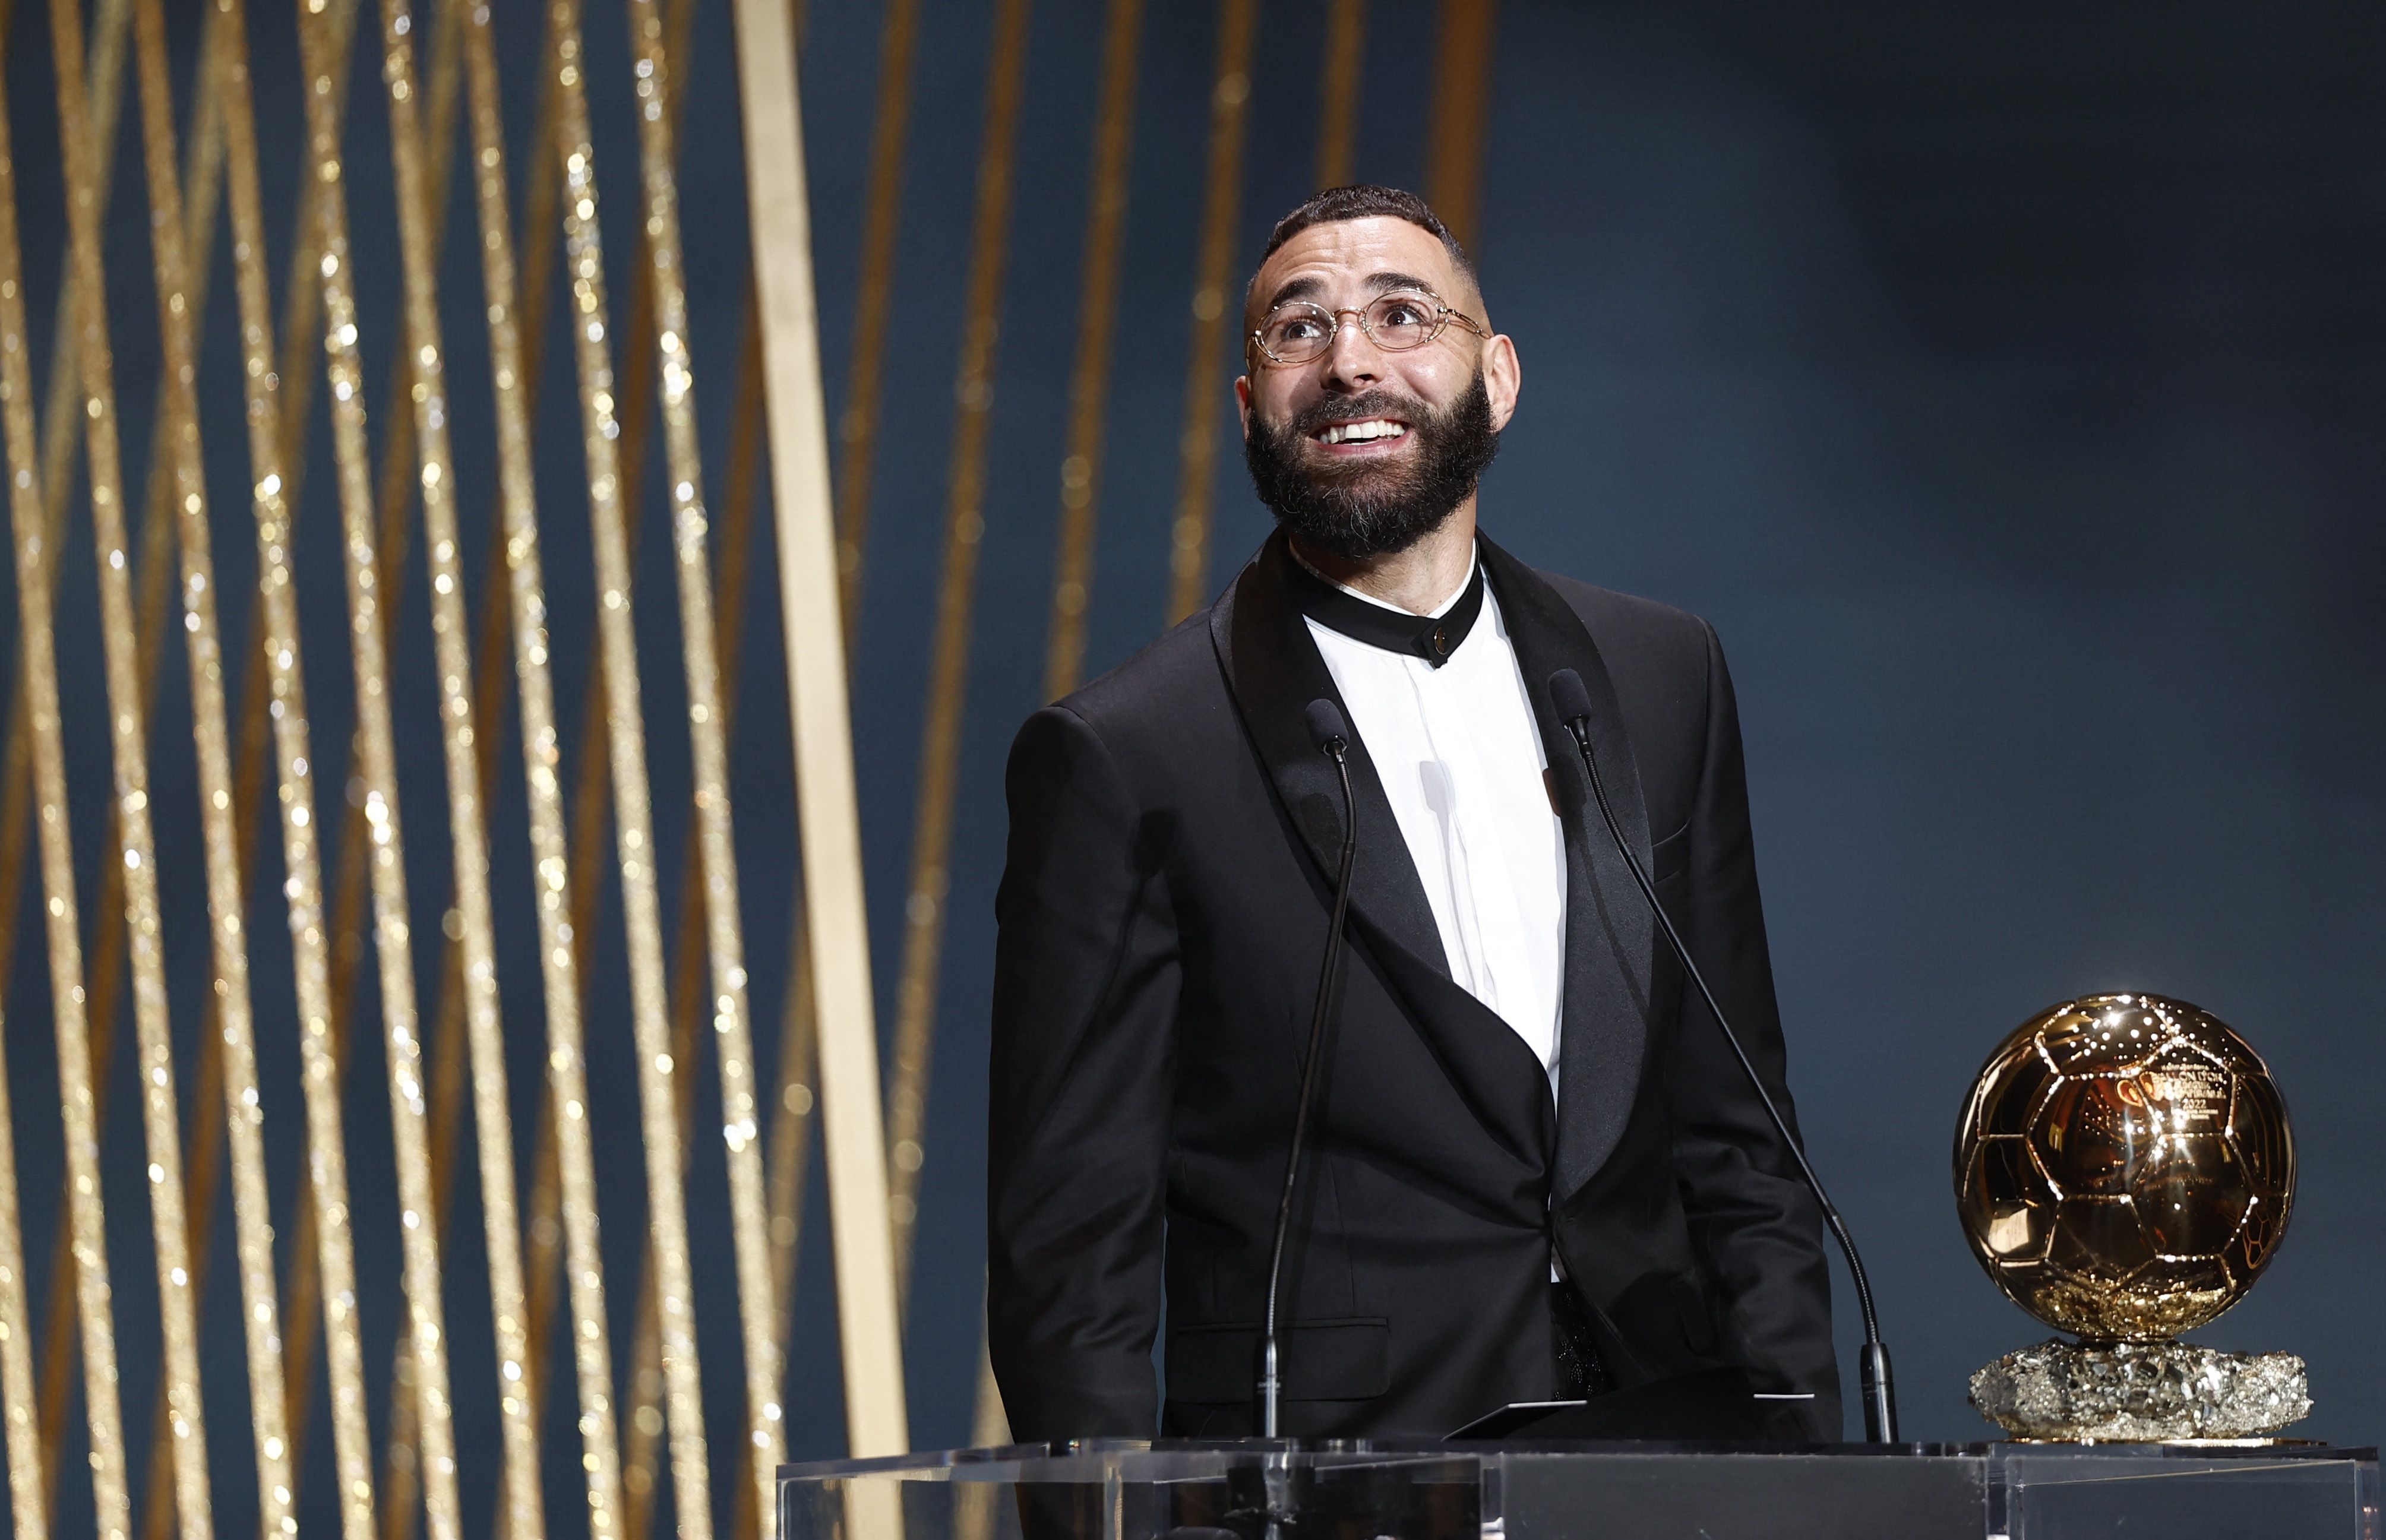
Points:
point(2005, 384)
point(2003, 388)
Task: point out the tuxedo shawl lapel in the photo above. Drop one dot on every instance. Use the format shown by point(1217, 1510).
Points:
point(1274, 670)
point(1609, 936)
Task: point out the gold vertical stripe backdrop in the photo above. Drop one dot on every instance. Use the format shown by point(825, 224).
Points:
point(646, 1372)
point(334, 1245)
point(857, 428)
point(1073, 566)
point(62, 424)
point(687, 988)
point(646, 1389)
point(422, 157)
point(105, 85)
point(228, 1105)
point(402, 1405)
point(416, 462)
point(137, 846)
point(463, 1015)
point(26, 1503)
point(411, 1088)
point(699, 652)
point(176, 494)
point(525, 583)
point(592, 798)
point(39, 661)
point(306, 1291)
point(234, 1039)
point(1338, 81)
point(369, 618)
point(57, 441)
point(561, 1238)
point(29, 1504)
point(301, 1292)
point(1462, 107)
point(459, 736)
point(156, 480)
point(1215, 315)
point(291, 387)
point(926, 905)
point(779, 206)
point(691, 1483)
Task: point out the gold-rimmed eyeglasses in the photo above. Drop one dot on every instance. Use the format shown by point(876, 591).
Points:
point(1298, 332)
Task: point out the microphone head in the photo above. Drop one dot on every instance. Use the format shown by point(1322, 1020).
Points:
point(1567, 692)
point(1326, 728)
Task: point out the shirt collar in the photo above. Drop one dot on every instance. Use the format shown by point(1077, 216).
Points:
point(1365, 618)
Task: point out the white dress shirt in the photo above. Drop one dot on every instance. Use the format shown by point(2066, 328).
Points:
point(1462, 762)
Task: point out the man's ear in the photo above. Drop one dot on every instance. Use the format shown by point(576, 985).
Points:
point(1502, 378)
point(1243, 403)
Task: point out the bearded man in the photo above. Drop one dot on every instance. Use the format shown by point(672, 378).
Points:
point(1535, 1172)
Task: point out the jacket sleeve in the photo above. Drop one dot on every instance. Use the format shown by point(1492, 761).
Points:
point(1084, 1048)
point(1756, 1228)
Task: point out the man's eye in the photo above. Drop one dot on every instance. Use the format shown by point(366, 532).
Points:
point(1402, 313)
point(1300, 331)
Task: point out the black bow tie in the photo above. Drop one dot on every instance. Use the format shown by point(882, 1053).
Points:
point(1431, 637)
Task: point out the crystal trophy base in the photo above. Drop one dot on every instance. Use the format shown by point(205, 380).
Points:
point(2140, 1392)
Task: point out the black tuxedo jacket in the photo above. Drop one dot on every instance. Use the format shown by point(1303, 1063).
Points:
point(1174, 837)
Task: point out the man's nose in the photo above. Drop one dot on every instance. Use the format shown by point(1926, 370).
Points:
point(1353, 360)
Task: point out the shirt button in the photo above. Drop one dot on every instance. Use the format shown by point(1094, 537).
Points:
point(1441, 640)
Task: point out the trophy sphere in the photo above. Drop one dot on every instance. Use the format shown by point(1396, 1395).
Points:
point(2125, 1168)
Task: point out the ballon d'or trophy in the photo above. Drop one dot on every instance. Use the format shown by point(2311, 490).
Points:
point(2124, 1171)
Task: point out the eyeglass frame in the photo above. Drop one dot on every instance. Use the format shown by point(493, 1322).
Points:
point(1444, 313)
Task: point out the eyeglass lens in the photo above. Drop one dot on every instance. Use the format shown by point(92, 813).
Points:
point(1297, 333)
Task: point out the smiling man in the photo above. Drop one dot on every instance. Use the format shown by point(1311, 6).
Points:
point(1534, 1171)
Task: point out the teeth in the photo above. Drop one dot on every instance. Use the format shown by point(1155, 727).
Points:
point(1360, 433)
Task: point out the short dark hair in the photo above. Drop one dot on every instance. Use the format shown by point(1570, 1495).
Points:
point(1363, 200)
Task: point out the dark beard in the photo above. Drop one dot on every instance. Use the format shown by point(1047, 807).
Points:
point(1373, 510)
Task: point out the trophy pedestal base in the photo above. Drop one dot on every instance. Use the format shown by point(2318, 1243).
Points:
point(2140, 1392)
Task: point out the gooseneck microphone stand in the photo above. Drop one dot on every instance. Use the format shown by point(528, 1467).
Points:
point(1327, 731)
point(1278, 1510)
point(1573, 703)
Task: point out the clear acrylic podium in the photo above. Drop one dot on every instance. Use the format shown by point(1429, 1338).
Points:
point(1253, 1489)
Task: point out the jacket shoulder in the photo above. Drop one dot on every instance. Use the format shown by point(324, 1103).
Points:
point(1170, 689)
point(1634, 626)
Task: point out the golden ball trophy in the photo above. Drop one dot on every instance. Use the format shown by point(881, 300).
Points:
point(2124, 1170)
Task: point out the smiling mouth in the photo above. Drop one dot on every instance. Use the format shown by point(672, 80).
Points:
point(1365, 431)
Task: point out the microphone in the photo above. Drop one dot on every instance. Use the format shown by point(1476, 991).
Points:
point(1573, 703)
point(1332, 736)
